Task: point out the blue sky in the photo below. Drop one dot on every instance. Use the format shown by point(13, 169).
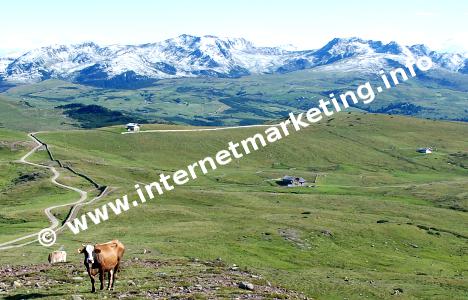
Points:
point(305, 24)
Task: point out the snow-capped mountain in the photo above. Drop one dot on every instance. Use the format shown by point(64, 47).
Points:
point(4, 62)
point(210, 56)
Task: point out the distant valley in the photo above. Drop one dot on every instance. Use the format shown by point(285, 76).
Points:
point(213, 81)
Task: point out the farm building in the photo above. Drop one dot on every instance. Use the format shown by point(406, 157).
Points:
point(132, 127)
point(424, 150)
point(292, 181)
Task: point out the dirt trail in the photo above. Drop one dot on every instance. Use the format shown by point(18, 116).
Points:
point(201, 129)
point(55, 223)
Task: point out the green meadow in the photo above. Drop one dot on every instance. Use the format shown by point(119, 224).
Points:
point(55, 104)
point(378, 216)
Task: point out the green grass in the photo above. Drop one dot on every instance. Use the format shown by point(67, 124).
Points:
point(15, 115)
point(221, 101)
point(366, 172)
point(25, 191)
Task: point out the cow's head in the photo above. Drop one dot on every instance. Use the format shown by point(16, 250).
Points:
point(89, 253)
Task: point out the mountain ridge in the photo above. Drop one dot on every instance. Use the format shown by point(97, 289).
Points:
point(207, 56)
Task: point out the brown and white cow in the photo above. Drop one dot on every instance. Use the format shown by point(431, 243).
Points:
point(101, 259)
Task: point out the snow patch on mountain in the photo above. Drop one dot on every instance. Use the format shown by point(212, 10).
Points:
point(192, 56)
point(4, 62)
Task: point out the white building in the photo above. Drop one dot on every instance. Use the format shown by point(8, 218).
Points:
point(425, 150)
point(132, 127)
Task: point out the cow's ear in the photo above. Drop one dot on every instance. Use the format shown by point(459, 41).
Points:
point(81, 250)
point(96, 250)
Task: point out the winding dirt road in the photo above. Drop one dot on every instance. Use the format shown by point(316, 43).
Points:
point(55, 223)
point(201, 129)
point(83, 194)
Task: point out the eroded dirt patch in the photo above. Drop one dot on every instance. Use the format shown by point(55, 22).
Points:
point(293, 236)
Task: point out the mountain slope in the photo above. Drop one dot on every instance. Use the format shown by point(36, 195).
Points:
point(380, 217)
point(207, 56)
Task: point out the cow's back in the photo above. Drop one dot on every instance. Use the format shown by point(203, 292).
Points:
point(110, 254)
point(119, 248)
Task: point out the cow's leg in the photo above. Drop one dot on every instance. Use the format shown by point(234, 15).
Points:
point(116, 269)
point(111, 279)
point(101, 279)
point(91, 276)
point(93, 288)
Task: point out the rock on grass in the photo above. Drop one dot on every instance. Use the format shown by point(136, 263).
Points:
point(246, 286)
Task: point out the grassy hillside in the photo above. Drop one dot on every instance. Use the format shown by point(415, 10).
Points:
point(381, 217)
point(17, 115)
point(222, 101)
point(25, 191)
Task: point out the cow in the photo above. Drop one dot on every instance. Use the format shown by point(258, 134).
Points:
point(101, 259)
